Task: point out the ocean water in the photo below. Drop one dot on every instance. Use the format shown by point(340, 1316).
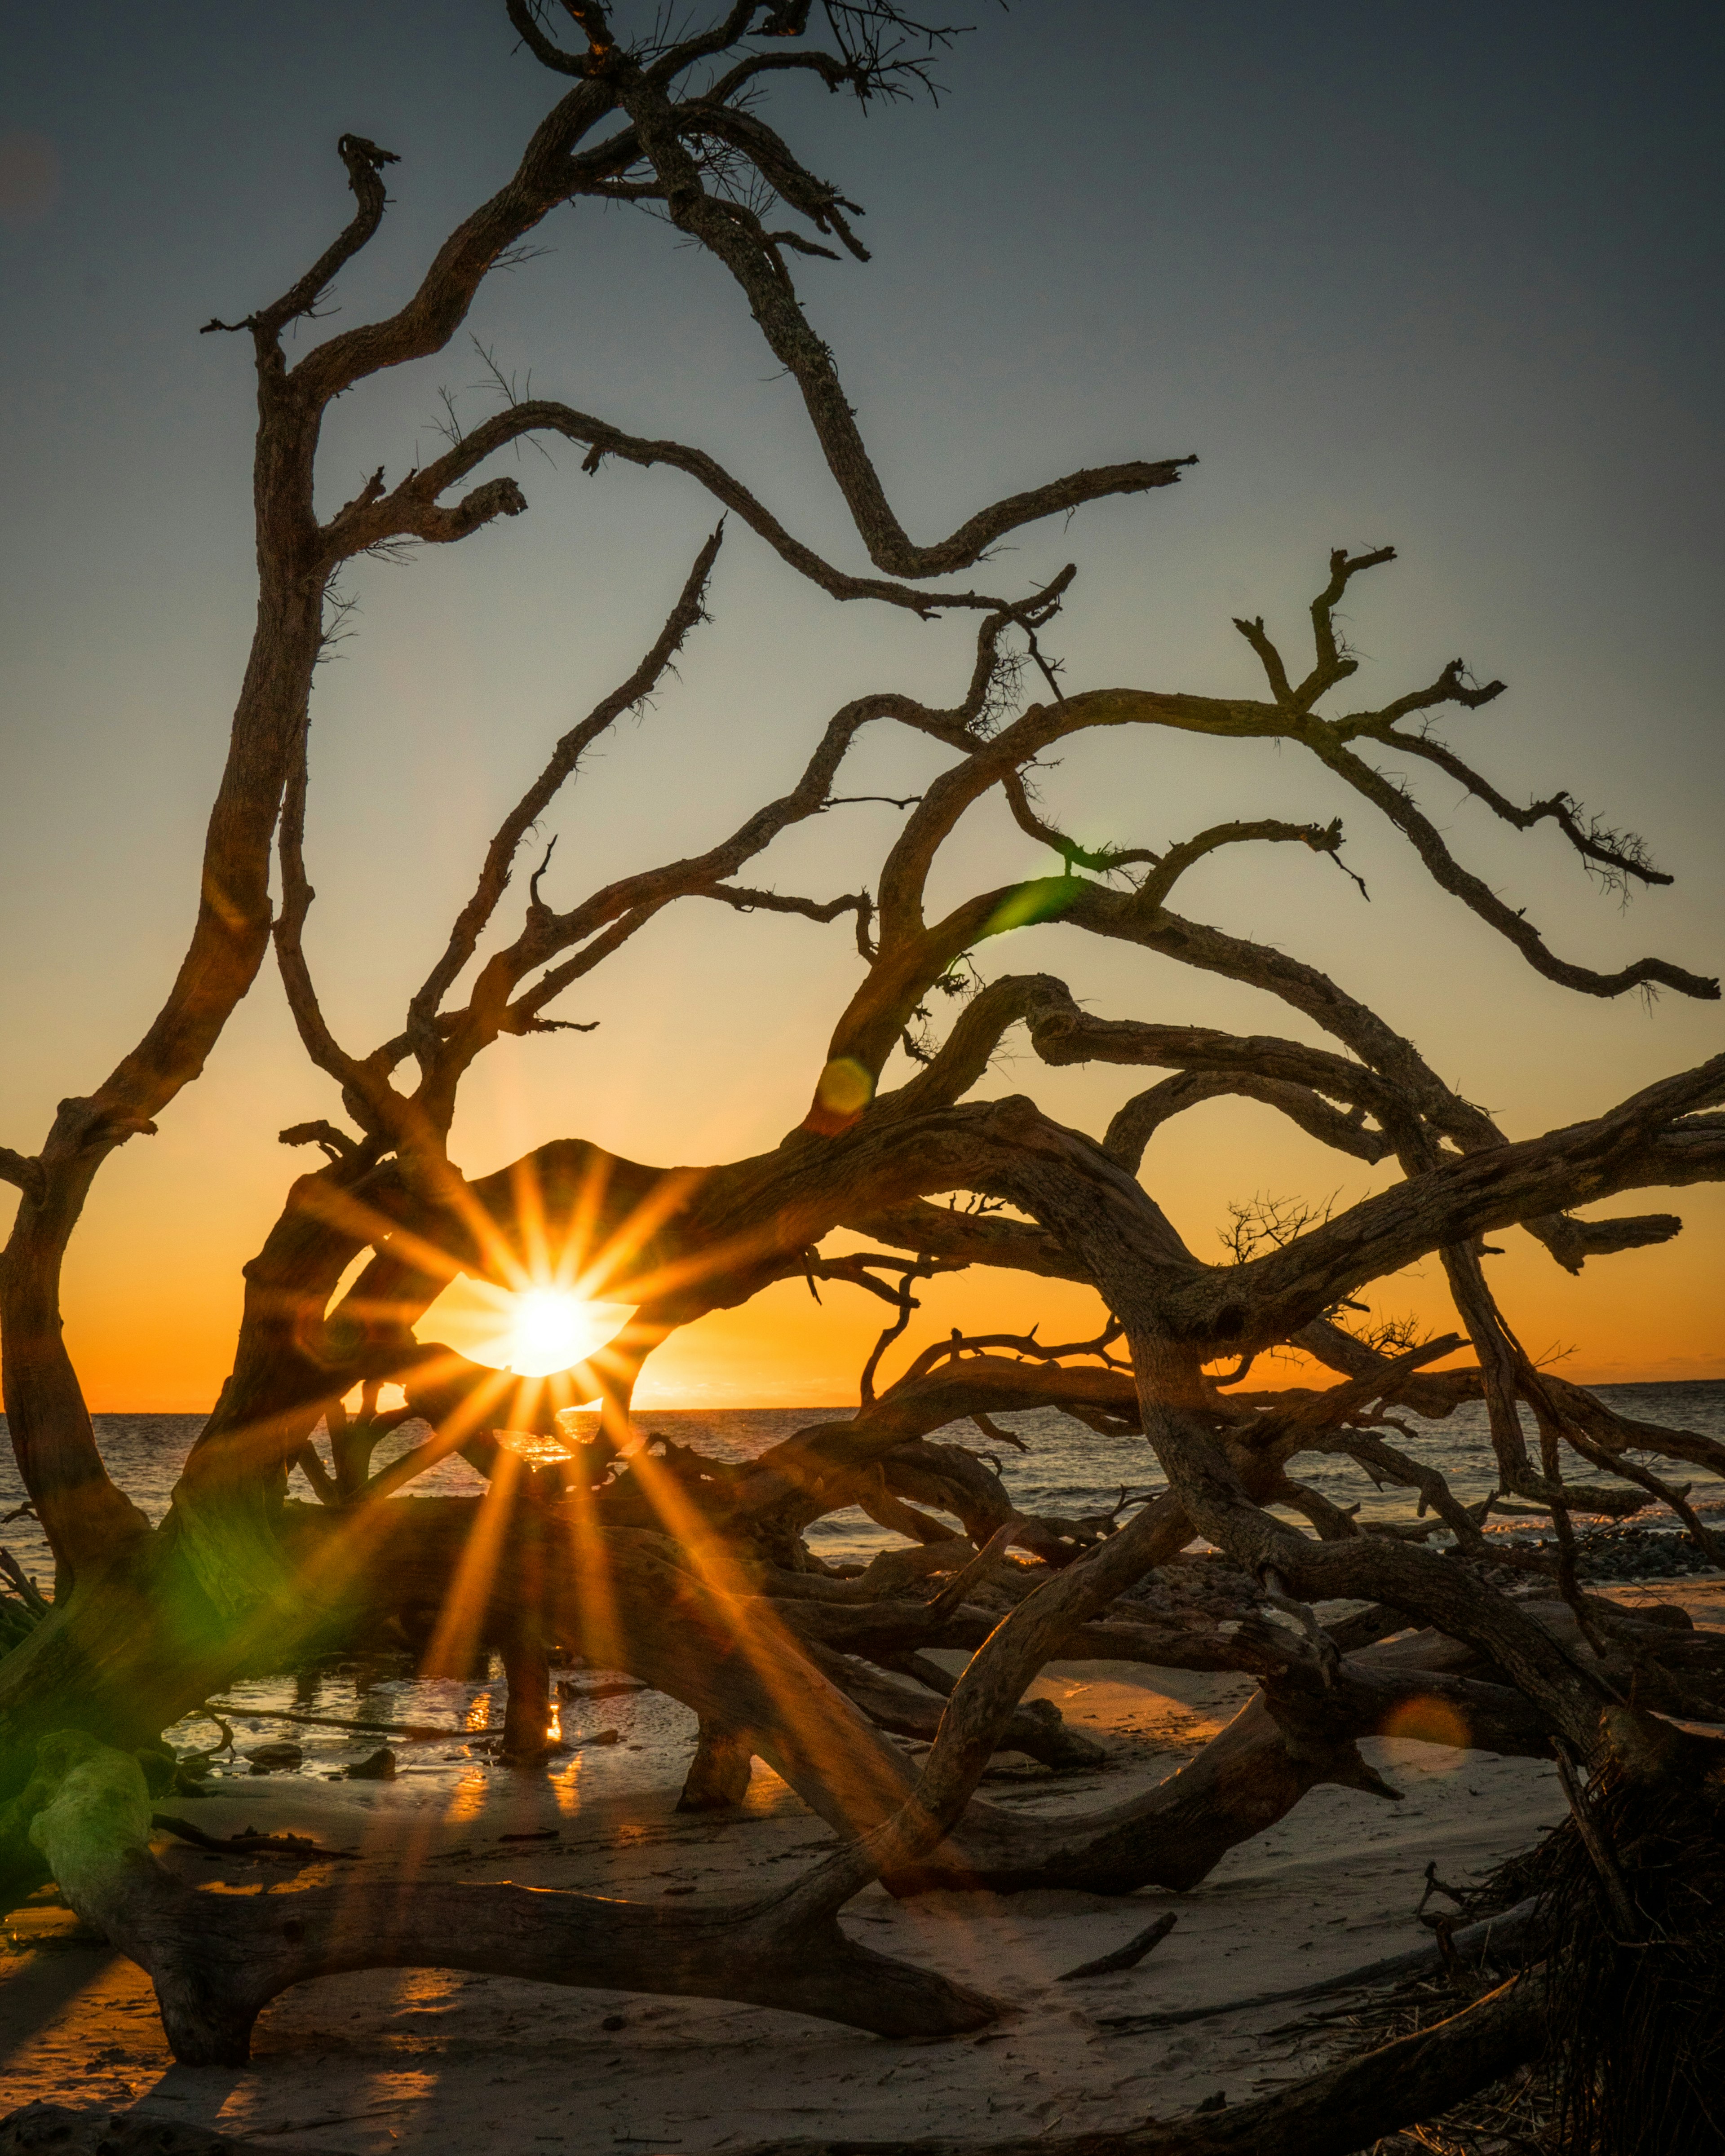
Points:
point(1065, 1469)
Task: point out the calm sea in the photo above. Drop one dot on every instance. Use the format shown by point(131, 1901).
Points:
point(1063, 1469)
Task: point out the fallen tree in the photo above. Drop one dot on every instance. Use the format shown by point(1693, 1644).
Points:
point(693, 1574)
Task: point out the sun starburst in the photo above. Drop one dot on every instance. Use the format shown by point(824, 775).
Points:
point(545, 1329)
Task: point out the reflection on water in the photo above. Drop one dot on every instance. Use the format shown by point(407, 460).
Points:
point(536, 1451)
point(566, 1786)
point(467, 1799)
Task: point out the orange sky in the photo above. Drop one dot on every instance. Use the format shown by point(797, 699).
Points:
point(158, 1336)
point(164, 1341)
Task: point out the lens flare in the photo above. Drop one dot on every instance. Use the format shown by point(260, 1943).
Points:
point(1428, 1721)
point(847, 1088)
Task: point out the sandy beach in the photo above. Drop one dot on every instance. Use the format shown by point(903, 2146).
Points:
point(438, 2059)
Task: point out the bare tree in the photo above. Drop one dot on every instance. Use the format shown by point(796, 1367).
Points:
point(693, 1574)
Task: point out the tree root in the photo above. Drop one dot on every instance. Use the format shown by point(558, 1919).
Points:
point(216, 1960)
point(719, 1773)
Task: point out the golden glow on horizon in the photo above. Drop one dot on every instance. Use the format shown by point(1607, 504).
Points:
point(159, 1339)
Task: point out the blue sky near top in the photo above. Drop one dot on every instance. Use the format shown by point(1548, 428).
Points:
point(1444, 278)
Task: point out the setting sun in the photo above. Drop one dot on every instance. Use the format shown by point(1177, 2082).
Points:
point(534, 1331)
point(550, 1328)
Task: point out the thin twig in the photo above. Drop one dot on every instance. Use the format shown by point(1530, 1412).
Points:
point(1126, 1957)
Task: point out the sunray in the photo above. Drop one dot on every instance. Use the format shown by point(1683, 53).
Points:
point(457, 1632)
